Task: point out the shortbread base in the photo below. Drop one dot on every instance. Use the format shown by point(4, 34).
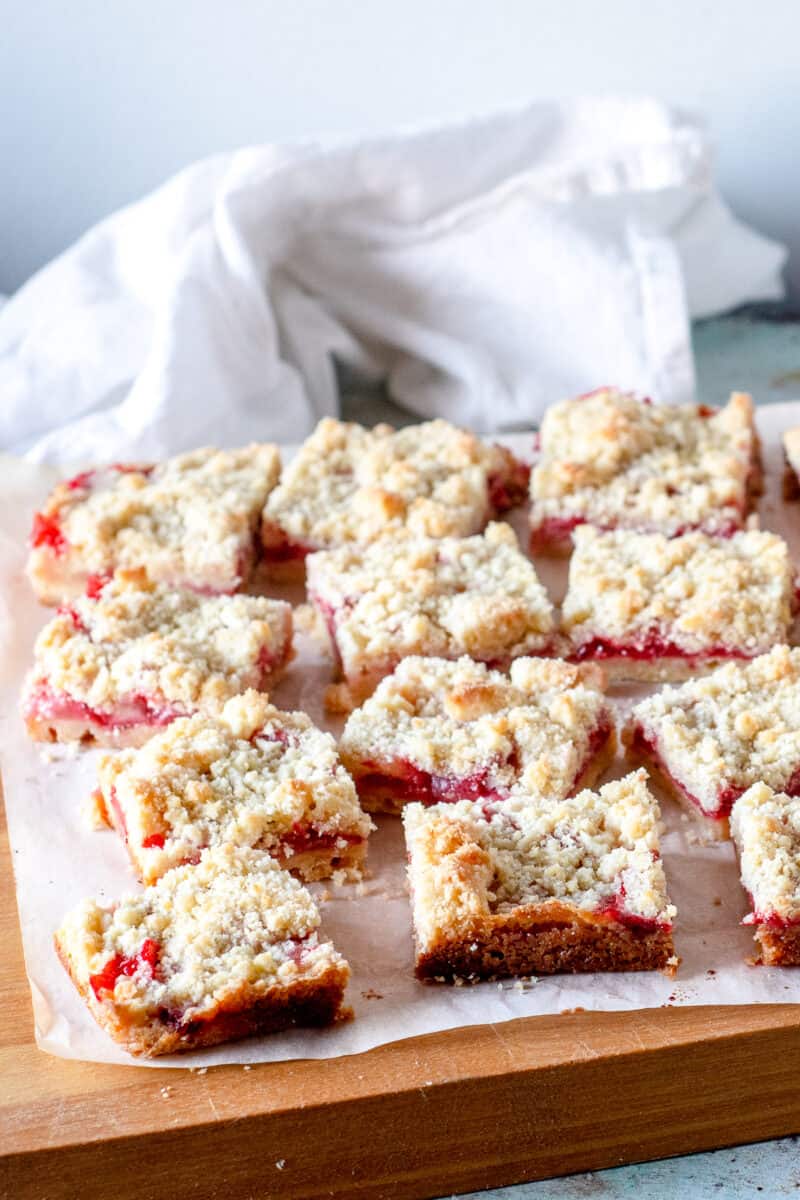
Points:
point(495, 950)
point(779, 947)
point(659, 670)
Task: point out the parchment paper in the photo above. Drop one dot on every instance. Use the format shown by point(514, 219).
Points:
point(58, 859)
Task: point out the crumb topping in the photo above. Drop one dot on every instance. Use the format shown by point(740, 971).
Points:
point(738, 726)
point(188, 518)
point(247, 777)
point(234, 922)
point(591, 852)
point(611, 459)
point(696, 591)
point(478, 596)
point(532, 727)
point(765, 826)
point(351, 484)
point(133, 637)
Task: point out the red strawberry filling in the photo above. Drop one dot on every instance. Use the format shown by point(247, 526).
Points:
point(770, 920)
point(408, 782)
point(280, 548)
point(47, 532)
point(651, 647)
point(45, 704)
point(557, 531)
point(405, 781)
point(121, 964)
point(509, 486)
point(303, 839)
point(615, 910)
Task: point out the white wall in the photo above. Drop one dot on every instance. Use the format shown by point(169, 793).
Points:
point(101, 99)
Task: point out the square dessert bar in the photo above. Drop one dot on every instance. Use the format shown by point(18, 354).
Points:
point(444, 731)
point(710, 739)
point(539, 885)
point(191, 521)
point(350, 484)
point(211, 953)
point(765, 825)
point(252, 776)
point(651, 607)
point(610, 460)
point(448, 597)
point(121, 662)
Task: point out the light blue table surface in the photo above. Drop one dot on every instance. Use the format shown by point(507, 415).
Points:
point(748, 354)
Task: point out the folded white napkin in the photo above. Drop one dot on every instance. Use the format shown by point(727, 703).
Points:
point(483, 270)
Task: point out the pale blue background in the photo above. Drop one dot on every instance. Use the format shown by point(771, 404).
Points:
point(100, 101)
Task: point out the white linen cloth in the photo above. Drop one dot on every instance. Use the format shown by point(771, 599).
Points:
point(483, 270)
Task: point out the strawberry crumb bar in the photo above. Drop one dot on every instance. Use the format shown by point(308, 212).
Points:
point(611, 460)
point(478, 596)
point(191, 521)
point(253, 776)
point(765, 825)
point(710, 739)
point(539, 885)
point(350, 484)
point(211, 953)
point(446, 731)
point(121, 662)
point(651, 607)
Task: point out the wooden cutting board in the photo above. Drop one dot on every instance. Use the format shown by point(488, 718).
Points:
point(451, 1112)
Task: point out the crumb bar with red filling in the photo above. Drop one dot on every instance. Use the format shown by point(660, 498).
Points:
point(539, 885)
point(211, 953)
point(120, 663)
point(351, 484)
point(440, 731)
point(651, 607)
point(252, 776)
point(711, 738)
point(192, 521)
point(613, 461)
point(765, 825)
point(477, 596)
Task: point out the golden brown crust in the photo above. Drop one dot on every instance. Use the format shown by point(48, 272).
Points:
point(779, 947)
point(538, 942)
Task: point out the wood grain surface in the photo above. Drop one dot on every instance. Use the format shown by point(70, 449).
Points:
point(451, 1112)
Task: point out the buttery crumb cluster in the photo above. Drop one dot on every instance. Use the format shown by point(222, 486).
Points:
point(350, 484)
point(716, 736)
point(641, 600)
point(611, 460)
point(478, 596)
point(251, 776)
point(134, 649)
point(189, 521)
point(439, 729)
